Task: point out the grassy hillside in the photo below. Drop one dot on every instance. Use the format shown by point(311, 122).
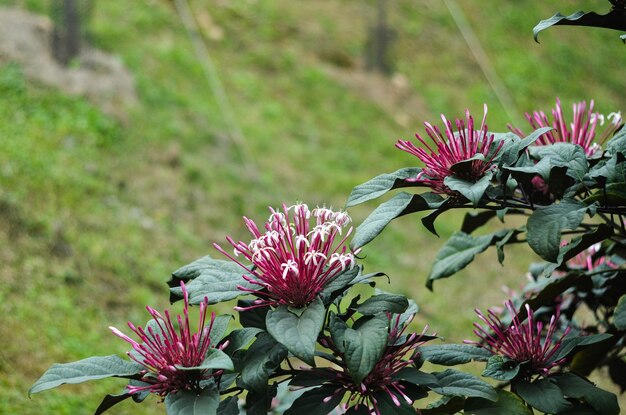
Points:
point(96, 212)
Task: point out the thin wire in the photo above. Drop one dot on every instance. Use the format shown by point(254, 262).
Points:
point(217, 88)
point(484, 62)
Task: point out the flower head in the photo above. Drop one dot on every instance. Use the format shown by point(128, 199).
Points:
point(521, 341)
point(401, 351)
point(582, 130)
point(165, 351)
point(464, 144)
point(296, 256)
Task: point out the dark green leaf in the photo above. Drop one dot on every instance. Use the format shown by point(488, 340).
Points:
point(298, 333)
point(472, 191)
point(260, 402)
point(507, 403)
point(261, 359)
point(212, 278)
point(401, 204)
point(380, 185)
point(312, 402)
point(453, 354)
point(445, 406)
point(619, 315)
point(364, 346)
point(417, 377)
point(574, 386)
point(391, 303)
point(337, 328)
point(501, 368)
point(546, 223)
point(204, 402)
point(429, 220)
point(312, 377)
point(110, 401)
point(543, 395)
point(92, 368)
point(474, 220)
point(455, 383)
point(386, 405)
point(614, 194)
point(612, 20)
point(253, 317)
point(229, 406)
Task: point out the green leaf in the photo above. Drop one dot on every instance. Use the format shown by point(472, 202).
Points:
point(417, 377)
point(364, 346)
point(298, 333)
point(219, 328)
point(204, 402)
point(238, 339)
point(212, 278)
point(215, 359)
point(574, 386)
point(313, 402)
point(567, 155)
point(543, 395)
point(340, 283)
point(91, 368)
point(546, 223)
point(455, 383)
point(507, 403)
point(613, 194)
point(337, 328)
point(619, 315)
point(514, 147)
point(399, 205)
point(453, 354)
point(457, 253)
point(573, 344)
point(261, 359)
point(612, 20)
point(501, 368)
point(391, 303)
point(578, 244)
point(472, 191)
point(606, 172)
point(380, 185)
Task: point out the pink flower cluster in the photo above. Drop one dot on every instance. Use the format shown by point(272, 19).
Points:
point(521, 341)
point(297, 255)
point(582, 130)
point(451, 148)
point(401, 351)
point(165, 351)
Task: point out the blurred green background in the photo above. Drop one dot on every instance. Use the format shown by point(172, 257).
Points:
point(96, 210)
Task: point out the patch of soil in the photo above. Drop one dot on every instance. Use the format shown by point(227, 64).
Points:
point(102, 78)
